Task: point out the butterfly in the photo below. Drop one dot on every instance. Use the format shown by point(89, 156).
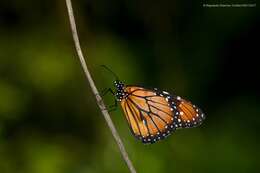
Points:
point(152, 115)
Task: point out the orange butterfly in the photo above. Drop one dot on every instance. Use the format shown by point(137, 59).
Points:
point(152, 114)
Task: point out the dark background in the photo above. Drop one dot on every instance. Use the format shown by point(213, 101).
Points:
point(50, 123)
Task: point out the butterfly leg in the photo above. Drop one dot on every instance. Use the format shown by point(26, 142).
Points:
point(113, 107)
point(107, 90)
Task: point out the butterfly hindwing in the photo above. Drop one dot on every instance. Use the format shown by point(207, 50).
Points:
point(189, 115)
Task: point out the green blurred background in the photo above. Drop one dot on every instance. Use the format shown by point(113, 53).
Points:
point(49, 120)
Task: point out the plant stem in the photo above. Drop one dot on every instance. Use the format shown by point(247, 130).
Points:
point(100, 101)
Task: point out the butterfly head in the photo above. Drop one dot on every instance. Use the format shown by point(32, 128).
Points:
point(120, 93)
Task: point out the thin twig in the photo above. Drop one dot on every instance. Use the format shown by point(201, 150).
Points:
point(95, 91)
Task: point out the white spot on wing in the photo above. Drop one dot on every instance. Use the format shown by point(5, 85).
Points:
point(164, 92)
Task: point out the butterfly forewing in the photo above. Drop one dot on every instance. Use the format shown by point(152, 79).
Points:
point(150, 115)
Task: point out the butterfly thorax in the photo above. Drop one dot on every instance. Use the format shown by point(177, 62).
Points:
point(120, 92)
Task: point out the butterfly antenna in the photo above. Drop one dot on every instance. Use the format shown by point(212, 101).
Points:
point(108, 69)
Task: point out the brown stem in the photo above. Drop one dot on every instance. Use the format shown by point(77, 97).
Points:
point(100, 101)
